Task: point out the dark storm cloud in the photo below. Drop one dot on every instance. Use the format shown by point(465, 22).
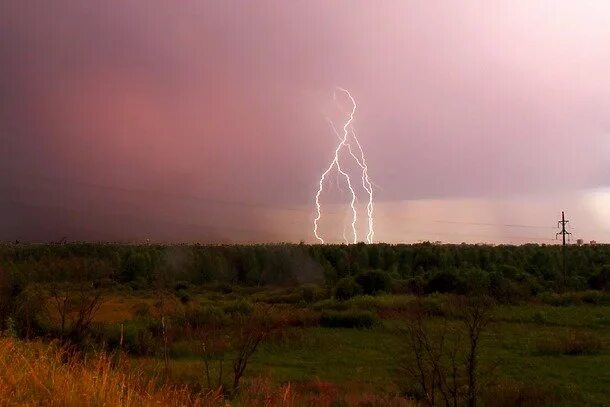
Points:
point(197, 120)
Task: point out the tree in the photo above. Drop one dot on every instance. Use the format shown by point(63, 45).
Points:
point(476, 314)
point(374, 281)
point(241, 338)
point(347, 288)
point(443, 363)
point(74, 310)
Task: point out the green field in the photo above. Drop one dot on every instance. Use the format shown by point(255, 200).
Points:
point(366, 358)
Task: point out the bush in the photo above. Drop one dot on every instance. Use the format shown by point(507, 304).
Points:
point(347, 288)
point(311, 293)
point(207, 315)
point(601, 280)
point(374, 281)
point(182, 285)
point(575, 343)
point(225, 288)
point(348, 319)
point(446, 281)
point(510, 393)
point(330, 304)
point(505, 290)
point(240, 307)
point(400, 286)
point(575, 298)
point(137, 339)
point(183, 296)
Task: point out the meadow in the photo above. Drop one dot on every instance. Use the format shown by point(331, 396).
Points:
point(303, 325)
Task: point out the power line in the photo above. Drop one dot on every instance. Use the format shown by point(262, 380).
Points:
point(563, 222)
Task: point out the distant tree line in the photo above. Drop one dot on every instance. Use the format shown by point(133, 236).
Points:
point(284, 263)
point(508, 273)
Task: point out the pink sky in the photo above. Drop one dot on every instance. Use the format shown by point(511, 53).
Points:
point(207, 120)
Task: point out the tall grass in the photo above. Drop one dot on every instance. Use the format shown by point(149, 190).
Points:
point(38, 374)
point(47, 374)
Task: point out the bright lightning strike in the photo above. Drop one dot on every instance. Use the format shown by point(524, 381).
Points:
point(344, 142)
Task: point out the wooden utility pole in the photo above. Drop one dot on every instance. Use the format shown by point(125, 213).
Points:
point(562, 223)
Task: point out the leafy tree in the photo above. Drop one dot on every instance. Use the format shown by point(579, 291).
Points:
point(374, 281)
point(347, 288)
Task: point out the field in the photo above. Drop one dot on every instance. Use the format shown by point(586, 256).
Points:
point(331, 340)
point(366, 358)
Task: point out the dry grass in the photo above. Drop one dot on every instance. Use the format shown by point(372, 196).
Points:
point(39, 374)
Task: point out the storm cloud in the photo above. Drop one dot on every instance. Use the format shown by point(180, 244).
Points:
point(206, 121)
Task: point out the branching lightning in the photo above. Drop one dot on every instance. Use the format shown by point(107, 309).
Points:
point(347, 135)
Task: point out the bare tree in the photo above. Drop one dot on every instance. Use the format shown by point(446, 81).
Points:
point(432, 359)
point(476, 314)
point(444, 369)
point(249, 333)
point(241, 337)
point(75, 311)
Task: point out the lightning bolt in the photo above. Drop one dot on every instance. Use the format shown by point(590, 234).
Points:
point(348, 130)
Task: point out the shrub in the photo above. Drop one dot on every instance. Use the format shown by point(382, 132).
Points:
point(575, 298)
point(374, 281)
point(601, 281)
point(311, 293)
point(511, 393)
point(446, 281)
point(348, 319)
point(278, 298)
point(540, 317)
point(183, 296)
point(225, 288)
point(138, 339)
point(434, 306)
point(574, 343)
point(182, 285)
point(206, 315)
point(595, 297)
point(331, 304)
point(400, 286)
point(475, 281)
point(240, 307)
point(347, 288)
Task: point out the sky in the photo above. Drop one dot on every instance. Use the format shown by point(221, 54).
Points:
point(208, 121)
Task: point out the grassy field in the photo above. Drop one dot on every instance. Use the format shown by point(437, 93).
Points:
point(523, 344)
point(305, 325)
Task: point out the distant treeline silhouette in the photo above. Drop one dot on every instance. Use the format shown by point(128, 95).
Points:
point(519, 270)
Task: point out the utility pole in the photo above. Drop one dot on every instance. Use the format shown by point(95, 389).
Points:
point(562, 223)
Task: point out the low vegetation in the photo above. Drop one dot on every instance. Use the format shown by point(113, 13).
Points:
point(54, 375)
point(299, 325)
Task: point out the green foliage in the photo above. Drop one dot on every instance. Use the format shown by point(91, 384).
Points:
point(205, 316)
point(446, 281)
point(601, 280)
point(509, 273)
point(183, 296)
point(574, 343)
point(374, 281)
point(240, 307)
point(575, 298)
point(348, 319)
point(10, 331)
point(347, 288)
